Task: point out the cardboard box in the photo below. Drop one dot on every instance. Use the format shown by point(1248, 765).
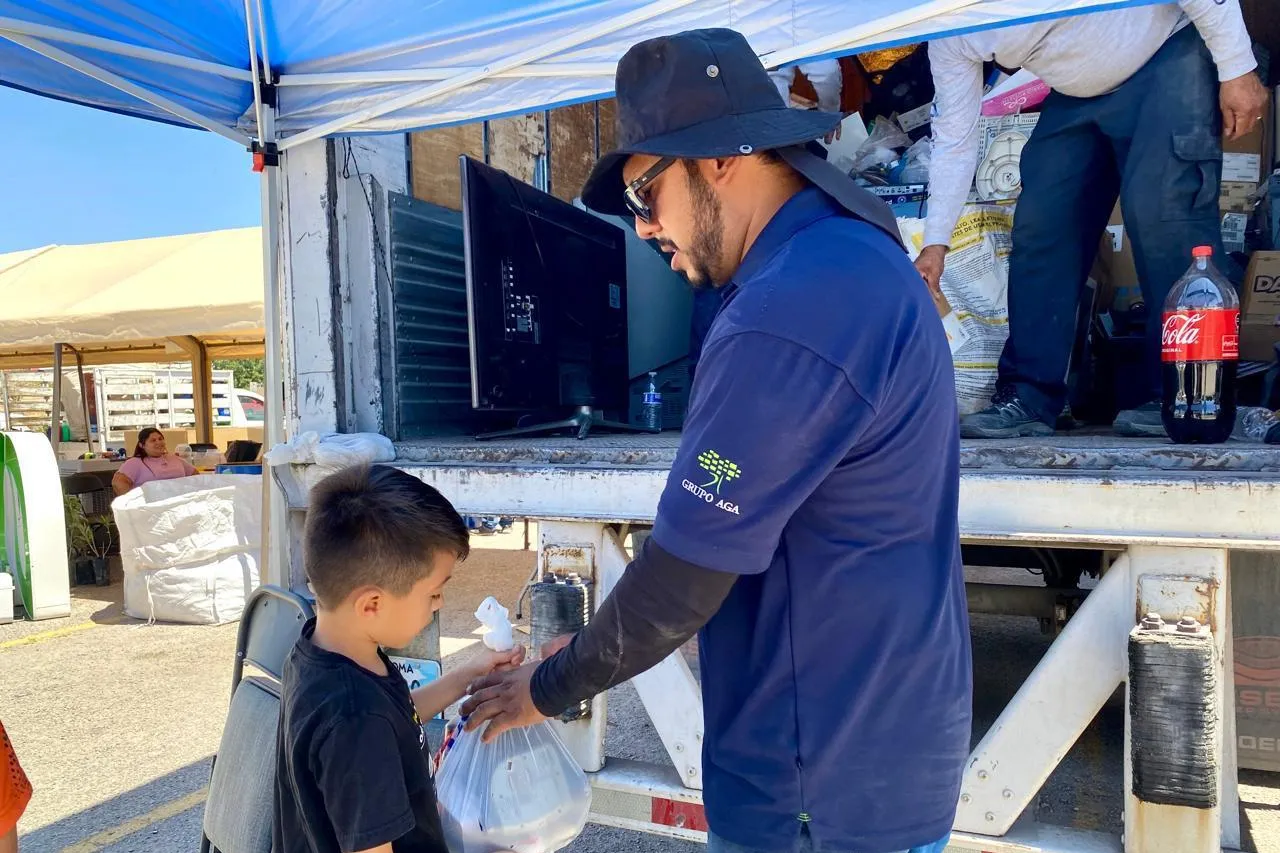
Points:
point(1242, 167)
point(1249, 158)
point(1236, 197)
point(1115, 266)
point(1234, 228)
point(1260, 308)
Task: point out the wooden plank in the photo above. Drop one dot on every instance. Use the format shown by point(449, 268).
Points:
point(434, 156)
point(608, 125)
point(516, 143)
point(573, 149)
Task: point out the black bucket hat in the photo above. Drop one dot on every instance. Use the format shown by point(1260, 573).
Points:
point(704, 93)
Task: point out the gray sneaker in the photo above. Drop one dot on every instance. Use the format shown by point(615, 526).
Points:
point(1007, 417)
point(1142, 422)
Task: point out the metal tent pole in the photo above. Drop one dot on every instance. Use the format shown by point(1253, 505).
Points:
point(603, 70)
point(275, 528)
point(55, 404)
point(4, 391)
point(84, 398)
point(119, 48)
point(115, 81)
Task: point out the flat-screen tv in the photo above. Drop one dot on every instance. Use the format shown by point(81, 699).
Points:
point(546, 300)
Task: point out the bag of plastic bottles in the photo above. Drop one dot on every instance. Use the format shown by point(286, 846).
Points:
point(523, 792)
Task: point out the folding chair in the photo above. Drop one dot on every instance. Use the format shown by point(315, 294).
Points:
point(237, 812)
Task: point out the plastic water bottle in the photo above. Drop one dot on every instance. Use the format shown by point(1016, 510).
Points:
point(651, 414)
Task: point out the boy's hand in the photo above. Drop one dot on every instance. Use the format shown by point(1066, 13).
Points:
point(550, 647)
point(495, 661)
point(505, 700)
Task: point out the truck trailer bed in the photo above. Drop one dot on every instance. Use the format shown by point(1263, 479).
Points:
point(1070, 452)
point(1083, 489)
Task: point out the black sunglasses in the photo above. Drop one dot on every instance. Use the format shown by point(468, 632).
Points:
point(632, 192)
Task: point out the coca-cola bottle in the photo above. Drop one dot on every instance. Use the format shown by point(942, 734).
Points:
point(1199, 348)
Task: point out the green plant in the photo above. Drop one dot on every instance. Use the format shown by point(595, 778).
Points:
point(104, 534)
point(247, 373)
point(80, 538)
point(86, 537)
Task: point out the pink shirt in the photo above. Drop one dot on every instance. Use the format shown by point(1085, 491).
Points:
point(144, 470)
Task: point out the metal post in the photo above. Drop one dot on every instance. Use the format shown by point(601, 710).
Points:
point(104, 421)
point(8, 416)
point(275, 533)
point(84, 399)
point(1179, 752)
point(55, 405)
point(173, 406)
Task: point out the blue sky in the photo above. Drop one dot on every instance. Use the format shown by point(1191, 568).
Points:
point(79, 175)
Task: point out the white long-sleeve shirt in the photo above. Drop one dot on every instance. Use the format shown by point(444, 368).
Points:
point(1082, 57)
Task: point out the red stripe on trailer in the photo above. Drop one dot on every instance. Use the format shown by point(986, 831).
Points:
point(678, 814)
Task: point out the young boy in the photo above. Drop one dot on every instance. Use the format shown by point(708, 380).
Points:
point(352, 760)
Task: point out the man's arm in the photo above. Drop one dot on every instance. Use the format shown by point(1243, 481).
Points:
point(1221, 25)
point(660, 602)
point(957, 104)
point(1242, 95)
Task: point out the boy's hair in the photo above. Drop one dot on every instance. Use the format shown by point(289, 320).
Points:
point(374, 525)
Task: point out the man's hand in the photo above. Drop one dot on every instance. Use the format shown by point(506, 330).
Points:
point(930, 263)
point(504, 700)
point(1243, 100)
point(833, 135)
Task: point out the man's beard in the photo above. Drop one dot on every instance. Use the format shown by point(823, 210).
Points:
point(705, 253)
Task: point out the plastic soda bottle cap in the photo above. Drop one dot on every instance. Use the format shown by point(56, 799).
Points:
point(1202, 252)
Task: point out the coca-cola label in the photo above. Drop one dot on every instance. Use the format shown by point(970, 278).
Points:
point(1201, 334)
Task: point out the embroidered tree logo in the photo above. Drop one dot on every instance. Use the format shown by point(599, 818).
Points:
point(719, 468)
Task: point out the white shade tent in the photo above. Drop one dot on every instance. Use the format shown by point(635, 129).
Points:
point(192, 297)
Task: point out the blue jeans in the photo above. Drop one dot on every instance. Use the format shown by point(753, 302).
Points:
point(804, 844)
point(1156, 143)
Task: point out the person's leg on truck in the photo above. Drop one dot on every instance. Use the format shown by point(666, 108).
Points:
point(1166, 126)
point(15, 793)
point(1069, 186)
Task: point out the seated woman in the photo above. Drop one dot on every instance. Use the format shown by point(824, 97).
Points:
point(151, 461)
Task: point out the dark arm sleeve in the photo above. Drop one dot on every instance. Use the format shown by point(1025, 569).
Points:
point(658, 604)
point(359, 773)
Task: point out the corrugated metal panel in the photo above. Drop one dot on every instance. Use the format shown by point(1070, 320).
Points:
point(429, 381)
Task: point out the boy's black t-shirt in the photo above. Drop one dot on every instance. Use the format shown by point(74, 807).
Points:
point(352, 768)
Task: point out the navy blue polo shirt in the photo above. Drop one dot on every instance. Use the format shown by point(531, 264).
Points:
point(820, 463)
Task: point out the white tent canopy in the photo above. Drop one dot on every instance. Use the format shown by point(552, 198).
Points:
point(124, 301)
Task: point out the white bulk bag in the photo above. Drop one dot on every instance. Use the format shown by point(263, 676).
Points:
point(190, 547)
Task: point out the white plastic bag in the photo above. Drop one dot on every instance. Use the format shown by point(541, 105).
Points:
point(915, 163)
point(333, 450)
point(524, 792)
point(881, 147)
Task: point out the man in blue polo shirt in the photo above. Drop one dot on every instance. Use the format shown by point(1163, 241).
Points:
point(808, 530)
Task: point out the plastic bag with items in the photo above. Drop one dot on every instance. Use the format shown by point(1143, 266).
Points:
point(523, 792)
point(880, 149)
